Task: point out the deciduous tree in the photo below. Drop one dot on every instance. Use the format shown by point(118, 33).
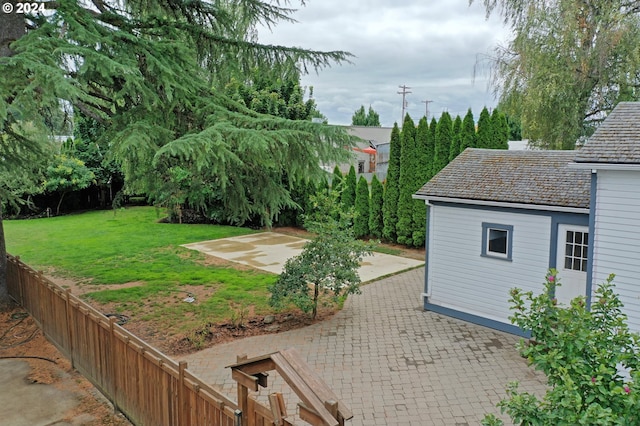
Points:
point(588, 354)
point(67, 174)
point(328, 265)
point(568, 64)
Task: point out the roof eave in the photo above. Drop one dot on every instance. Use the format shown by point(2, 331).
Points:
point(543, 207)
point(605, 166)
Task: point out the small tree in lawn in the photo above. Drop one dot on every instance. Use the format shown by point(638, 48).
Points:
point(67, 174)
point(361, 220)
point(328, 265)
point(375, 208)
point(589, 356)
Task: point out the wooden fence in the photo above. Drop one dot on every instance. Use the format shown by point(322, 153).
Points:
point(140, 381)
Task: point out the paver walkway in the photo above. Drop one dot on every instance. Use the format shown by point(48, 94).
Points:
point(391, 362)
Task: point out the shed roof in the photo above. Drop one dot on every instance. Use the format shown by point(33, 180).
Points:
point(617, 140)
point(523, 177)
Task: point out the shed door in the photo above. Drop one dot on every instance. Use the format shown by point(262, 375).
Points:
point(573, 244)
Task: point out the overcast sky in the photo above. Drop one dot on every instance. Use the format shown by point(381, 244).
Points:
point(430, 46)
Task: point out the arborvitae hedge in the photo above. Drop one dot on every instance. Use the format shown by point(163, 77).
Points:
point(348, 197)
point(404, 228)
point(375, 210)
point(444, 135)
point(485, 130)
point(391, 188)
point(500, 129)
point(468, 132)
point(423, 173)
point(454, 150)
point(361, 221)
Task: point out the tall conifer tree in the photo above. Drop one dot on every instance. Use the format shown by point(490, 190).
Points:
point(404, 228)
point(423, 173)
point(348, 197)
point(444, 136)
point(375, 211)
point(336, 180)
point(361, 221)
point(500, 129)
point(391, 187)
point(485, 130)
point(455, 141)
point(468, 132)
point(431, 149)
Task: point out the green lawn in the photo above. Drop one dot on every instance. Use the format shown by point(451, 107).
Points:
point(131, 245)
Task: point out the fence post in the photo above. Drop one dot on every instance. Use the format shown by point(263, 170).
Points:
point(182, 365)
point(67, 305)
point(114, 363)
point(243, 395)
point(20, 280)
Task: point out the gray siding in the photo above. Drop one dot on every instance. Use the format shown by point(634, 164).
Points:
point(617, 237)
point(460, 278)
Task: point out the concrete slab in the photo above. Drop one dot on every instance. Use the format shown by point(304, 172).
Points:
point(269, 251)
point(31, 404)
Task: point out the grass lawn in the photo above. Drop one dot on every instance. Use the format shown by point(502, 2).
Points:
point(130, 245)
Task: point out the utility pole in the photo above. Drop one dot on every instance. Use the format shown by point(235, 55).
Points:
point(404, 92)
point(426, 108)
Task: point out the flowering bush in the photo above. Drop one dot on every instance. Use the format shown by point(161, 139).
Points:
point(588, 354)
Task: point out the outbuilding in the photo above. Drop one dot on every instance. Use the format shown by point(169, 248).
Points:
point(500, 219)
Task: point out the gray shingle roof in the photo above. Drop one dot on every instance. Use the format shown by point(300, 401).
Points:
point(617, 140)
point(528, 177)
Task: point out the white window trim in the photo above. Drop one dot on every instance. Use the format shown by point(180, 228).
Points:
point(486, 228)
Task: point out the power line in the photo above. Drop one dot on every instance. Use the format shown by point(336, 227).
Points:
point(426, 108)
point(404, 93)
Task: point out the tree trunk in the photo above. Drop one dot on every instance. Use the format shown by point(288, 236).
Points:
point(4, 290)
point(60, 203)
point(12, 27)
point(316, 292)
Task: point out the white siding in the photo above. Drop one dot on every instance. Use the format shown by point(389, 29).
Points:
point(461, 279)
point(617, 237)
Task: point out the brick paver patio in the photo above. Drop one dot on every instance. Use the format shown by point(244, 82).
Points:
point(391, 362)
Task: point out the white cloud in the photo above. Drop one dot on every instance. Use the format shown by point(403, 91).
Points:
point(431, 46)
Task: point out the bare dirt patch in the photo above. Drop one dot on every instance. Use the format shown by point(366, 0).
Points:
point(21, 338)
point(212, 334)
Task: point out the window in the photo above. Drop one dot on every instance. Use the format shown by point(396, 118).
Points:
point(575, 253)
point(360, 166)
point(497, 240)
